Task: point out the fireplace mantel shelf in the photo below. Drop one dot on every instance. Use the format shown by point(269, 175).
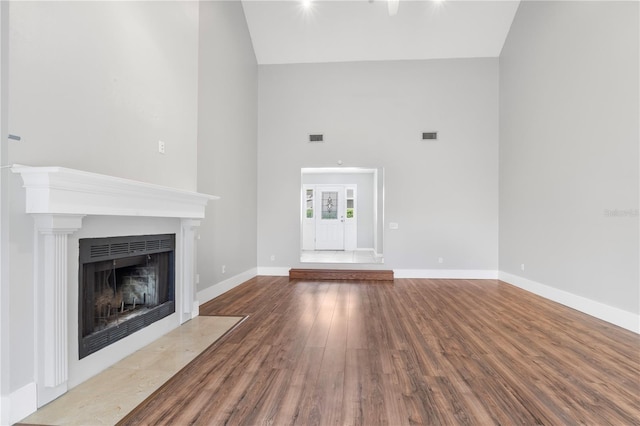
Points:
point(63, 191)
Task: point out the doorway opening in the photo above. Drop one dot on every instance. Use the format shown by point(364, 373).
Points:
point(339, 215)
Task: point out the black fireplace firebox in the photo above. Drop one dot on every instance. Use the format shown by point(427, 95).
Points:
point(126, 283)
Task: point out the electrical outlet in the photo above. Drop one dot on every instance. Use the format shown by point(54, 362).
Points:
point(161, 147)
point(440, 260)
point(522, 266)
point(224, 269)
point(273, 257)
point(197, 278)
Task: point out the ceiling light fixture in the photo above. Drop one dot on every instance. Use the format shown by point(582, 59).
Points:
point(306, 4)
point(392, 6)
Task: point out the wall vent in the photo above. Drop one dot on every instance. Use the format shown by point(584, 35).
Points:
point(429, 136)
point(97, 249)
point(316, 138)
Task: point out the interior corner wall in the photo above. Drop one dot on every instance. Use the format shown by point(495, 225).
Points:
point(569, 150)
point(5, 367)
point(443, 194)
point(227, 138)
point(93, 86)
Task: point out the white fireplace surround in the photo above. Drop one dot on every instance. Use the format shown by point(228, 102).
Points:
point(58, 199)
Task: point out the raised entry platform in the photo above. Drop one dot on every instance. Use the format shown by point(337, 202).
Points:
point(340, 274)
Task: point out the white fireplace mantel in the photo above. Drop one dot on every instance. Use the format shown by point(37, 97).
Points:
point(58, 190)
point(58, 199)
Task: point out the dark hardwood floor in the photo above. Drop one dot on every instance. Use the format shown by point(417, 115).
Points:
point(414, 352)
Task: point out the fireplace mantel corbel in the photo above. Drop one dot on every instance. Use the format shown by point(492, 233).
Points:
point(58, 199)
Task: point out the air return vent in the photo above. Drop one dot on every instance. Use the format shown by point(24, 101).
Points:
point(96, 249)
point(429, 136)
point(316, 138)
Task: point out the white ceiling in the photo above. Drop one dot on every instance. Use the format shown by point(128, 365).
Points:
point(285, 32)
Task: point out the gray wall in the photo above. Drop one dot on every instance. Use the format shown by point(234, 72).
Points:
point(569, 123)
point(227, 142)
point(443, 194)
point(95, 85)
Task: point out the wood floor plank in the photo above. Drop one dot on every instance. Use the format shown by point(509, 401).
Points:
point(304, 378)
point(322, 322)
point(372, 400)
point(356, 337)
point(415, 352)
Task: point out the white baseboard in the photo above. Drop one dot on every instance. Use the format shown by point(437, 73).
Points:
point(21, 403)
point(616, 316)
point(4, 411)
point(406, 273)
point(216, 290)
point(282, 271)
point(478, 274)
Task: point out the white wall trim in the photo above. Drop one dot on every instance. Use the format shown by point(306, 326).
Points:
point(616, 316)
point(216, 290)
point(478, 274)
point(188, 308)
point(281, 271)
point(4, 411)
point(22, 402)
point(406, 273)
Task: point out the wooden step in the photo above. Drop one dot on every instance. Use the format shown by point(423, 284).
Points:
point(340, 274)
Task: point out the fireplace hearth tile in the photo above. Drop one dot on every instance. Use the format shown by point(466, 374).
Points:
point(92, 402)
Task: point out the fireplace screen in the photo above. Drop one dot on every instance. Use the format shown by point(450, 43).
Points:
point(126, 283)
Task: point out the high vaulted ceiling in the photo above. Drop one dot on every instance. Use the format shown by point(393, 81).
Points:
point(285, 32)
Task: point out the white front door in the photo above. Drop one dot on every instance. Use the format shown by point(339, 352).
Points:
point(330, 217)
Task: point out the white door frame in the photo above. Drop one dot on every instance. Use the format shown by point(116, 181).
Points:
point(307, 217)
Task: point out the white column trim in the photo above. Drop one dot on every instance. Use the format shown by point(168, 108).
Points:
point(50, 275)
point(189, 306)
